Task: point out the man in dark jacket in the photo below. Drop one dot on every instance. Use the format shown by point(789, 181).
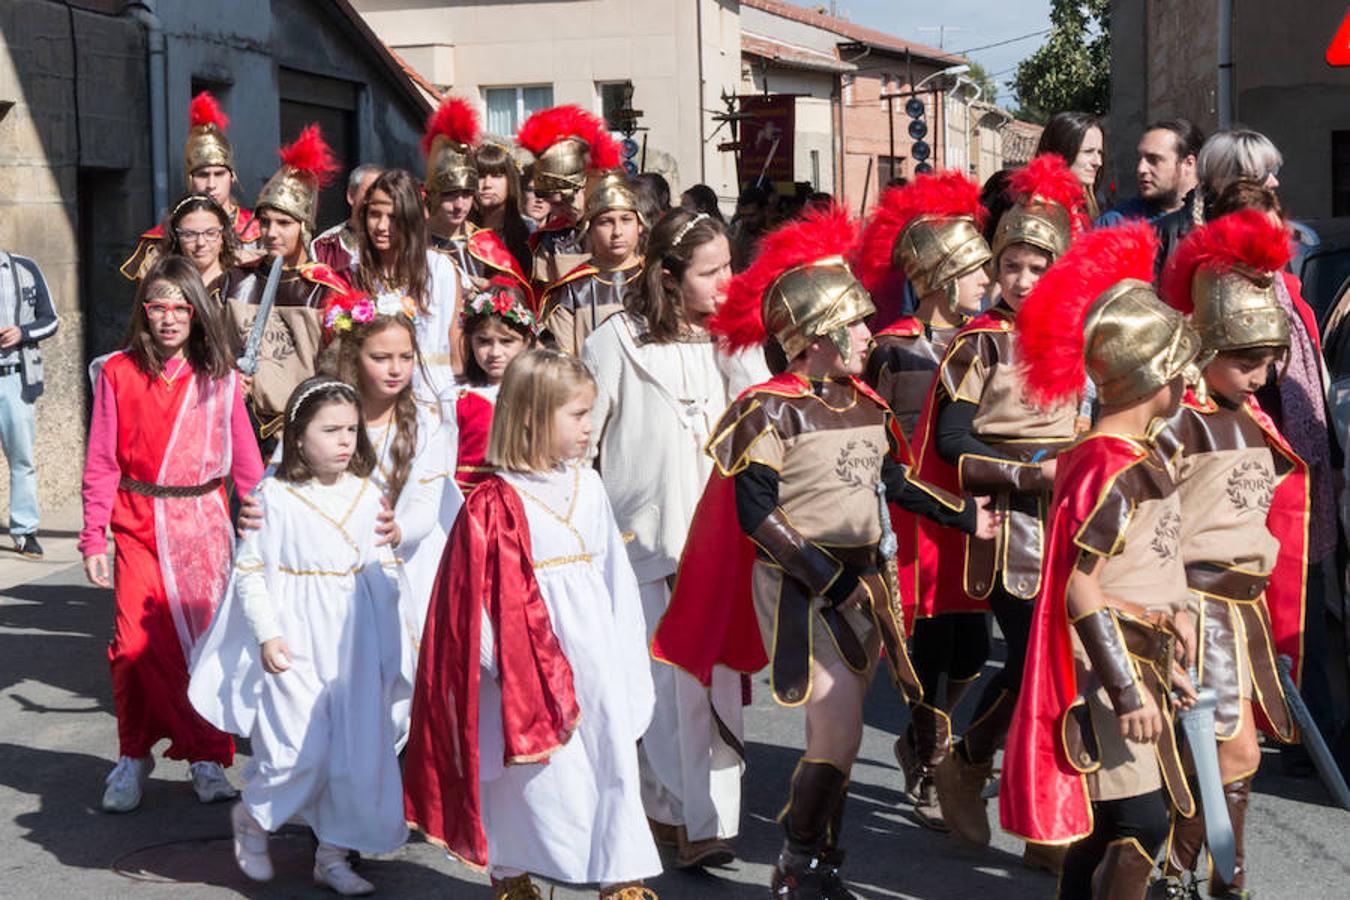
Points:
point(26, 317)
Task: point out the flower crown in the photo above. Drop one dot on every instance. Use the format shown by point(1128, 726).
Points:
point(357, 308)
point(501, 298)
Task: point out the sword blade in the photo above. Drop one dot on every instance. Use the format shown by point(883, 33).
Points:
point(1197, 723)
point(1311, 736)
point(248, 361)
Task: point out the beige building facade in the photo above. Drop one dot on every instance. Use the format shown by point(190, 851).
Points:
point(511, 59)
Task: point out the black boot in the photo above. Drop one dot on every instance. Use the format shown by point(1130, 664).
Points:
point(813, 801)
point(831, 857)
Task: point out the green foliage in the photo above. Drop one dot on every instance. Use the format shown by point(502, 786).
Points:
point(1072, 69)
point(988, 87)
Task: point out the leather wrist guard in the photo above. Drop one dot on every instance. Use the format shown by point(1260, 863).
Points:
point(982, 475)
point(1111, 663)
point(796, 555)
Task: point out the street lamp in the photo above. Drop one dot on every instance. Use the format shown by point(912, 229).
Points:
point(950, 70)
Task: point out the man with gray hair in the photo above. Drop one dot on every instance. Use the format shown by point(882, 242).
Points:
point(337, 247)
point(26, 317)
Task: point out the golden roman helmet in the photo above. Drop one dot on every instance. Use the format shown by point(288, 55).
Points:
point(206, 141)
point(612, 190)
point(1135, 343)
point(1236, 309)
point(1047, 207)
point(935, 251)
point(306, 166)
point(562, 167)
point(450, 167)
point(819, 299)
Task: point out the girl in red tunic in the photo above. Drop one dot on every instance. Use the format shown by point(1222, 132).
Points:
point(168, 426)
point(497, 326)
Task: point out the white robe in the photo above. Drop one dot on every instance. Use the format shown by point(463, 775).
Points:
point(578, 818)
point(434, 328)
point(425, 511)
point(655, 408)
point(321, 731)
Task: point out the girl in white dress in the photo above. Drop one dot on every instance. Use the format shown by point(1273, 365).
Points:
point(534, 685)
point(497, 326)
point(662, 386)
point(373, 348)
point(304, 655)
point(396, 263)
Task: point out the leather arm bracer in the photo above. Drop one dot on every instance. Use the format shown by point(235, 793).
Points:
point(1105, 646)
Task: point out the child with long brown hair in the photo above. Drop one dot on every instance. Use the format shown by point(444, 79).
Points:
point(305, 656)
point(373, 348)
point(497, 327)
point(168, 425)
point(497, 203)
point(534, 686)
point(397, 262)
point(663, 384)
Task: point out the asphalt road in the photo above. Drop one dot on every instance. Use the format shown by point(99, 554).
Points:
point(58, 741)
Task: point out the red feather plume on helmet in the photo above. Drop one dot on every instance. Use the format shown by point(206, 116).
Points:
point(1048, 176)
point(548, 126)
point(1050, 338)
point(819, 234)
point(204, 110)
point(943, 194)
point(456, 119)
point(311, 156)
point(1245, 238)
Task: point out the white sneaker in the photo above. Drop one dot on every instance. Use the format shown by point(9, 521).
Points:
point(125, 783)
point(210, 783)
point(250, 844)
point(331, 868)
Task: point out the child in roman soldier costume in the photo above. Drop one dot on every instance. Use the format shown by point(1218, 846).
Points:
point(1091, 758)
point(983, 435)
point(1244, 507)
point(802, 466)
point(929, 231)
point(577, 304)
point(452, 180)
point(294, 334)
point(208, 160)
point(570, 145)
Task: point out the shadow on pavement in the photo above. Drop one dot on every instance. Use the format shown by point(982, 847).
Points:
point(60, 629)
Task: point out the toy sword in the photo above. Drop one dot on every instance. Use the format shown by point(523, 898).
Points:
point(902, 670)
point(248, 362)
point(1197, 723)
point(1312, 736)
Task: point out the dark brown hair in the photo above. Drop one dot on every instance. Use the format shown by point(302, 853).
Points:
point(408, 241)
point(341, 360)
point(1245, 193)
point(654, 300)
point(191, 203)
point(494, 159)
point(300, 409)
point(1063, 135)
point(207, 346)
point(473, 373)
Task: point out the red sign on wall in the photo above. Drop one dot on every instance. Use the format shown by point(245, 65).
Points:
point(766, 138)
point(1338, 54)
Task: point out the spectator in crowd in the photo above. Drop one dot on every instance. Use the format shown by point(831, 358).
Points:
point(26, 318)
point(702, 199)
point(199, 229)
point(748, 225)
point(1165, 173)
point(1078, 138)
point(337, 247)
point(653, 194)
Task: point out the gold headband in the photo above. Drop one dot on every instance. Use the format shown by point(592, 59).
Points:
point(163, 289)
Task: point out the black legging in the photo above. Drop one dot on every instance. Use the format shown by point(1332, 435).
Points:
point(1143, 818)
point(1014, 620)
point(952, 644)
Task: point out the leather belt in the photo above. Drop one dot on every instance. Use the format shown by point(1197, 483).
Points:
point(1229, 584)
point(146, 489)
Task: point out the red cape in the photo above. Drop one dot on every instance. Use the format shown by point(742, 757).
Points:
point(941, 552)
point(1042, 797)
point(488, 248)
point(486, 567)
point(711, 619)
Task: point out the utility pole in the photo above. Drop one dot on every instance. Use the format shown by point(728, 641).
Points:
point(942, 32)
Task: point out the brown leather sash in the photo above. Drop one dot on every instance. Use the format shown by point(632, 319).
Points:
point(146, 489)
point(1225, 583)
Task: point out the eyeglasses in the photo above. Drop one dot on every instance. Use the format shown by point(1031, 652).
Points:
point(159, 310)
point(208, 235)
